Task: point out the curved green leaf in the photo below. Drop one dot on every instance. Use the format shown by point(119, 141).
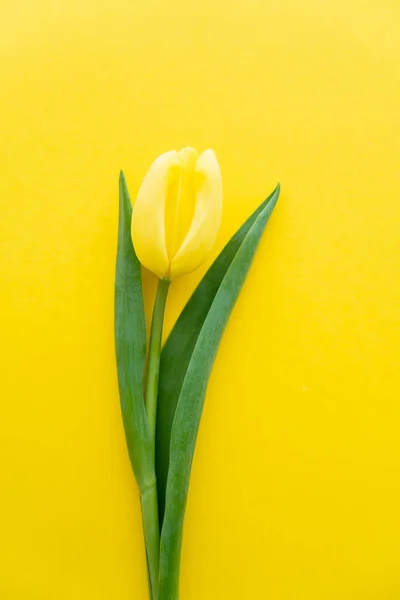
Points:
point(186, 365)
point(179, 346)
point(130, 345)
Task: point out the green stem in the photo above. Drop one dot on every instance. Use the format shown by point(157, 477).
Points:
point(151, 530)
point(153, 367)
point(148, 496)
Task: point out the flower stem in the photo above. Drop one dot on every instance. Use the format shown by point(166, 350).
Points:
point(153, 367)
point(148, 496)
point(151, 530)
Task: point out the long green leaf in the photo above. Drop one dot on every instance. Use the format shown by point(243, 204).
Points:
point(130, 345)
point(186, 365)
point(180, 344)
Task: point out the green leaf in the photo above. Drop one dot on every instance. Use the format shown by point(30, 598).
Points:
point(186, 364)
point(130, 345)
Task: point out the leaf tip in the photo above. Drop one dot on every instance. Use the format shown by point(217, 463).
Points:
point(273, 199)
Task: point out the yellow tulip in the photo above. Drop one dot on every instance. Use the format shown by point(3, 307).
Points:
point(177, 213)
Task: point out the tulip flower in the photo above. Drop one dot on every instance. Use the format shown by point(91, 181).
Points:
point(173, 226)
point(177, 213)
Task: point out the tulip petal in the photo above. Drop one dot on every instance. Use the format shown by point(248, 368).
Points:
point(206, 219)
point(148, 214)
point(180, 202)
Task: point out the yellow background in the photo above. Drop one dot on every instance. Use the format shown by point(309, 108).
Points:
point(295, 491)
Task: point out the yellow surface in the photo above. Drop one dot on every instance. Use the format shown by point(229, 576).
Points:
point(295, 491)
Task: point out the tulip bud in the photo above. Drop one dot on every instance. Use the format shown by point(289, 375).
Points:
point(177, 213)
